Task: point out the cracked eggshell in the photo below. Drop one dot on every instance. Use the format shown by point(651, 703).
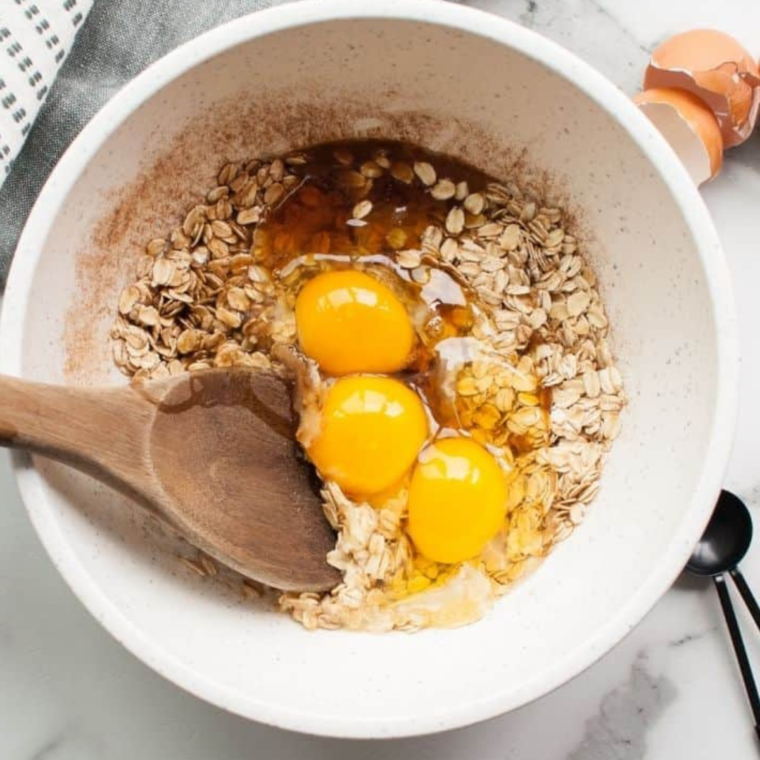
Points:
point(713, 66)
point(690, 128)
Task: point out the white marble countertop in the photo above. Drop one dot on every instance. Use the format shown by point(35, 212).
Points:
point(669, 691)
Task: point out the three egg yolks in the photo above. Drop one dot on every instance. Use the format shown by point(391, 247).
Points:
point(348, 322)
point(372, 428)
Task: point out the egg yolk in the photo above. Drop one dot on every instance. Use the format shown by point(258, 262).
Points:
point(371, 431)
point(457, 500)
point(349, 322)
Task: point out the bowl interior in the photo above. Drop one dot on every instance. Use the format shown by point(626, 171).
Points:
point(451, 89)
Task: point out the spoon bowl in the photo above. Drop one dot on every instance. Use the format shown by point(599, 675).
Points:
point(726, 539)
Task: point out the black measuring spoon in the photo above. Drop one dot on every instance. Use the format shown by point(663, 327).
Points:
point(722, 546)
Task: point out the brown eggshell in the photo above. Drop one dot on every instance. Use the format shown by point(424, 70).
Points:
point(713, 66)
point(690, 128)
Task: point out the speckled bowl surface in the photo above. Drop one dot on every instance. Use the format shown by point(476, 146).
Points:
point(508, 101)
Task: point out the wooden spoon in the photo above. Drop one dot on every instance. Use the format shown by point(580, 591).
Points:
point(211, 453)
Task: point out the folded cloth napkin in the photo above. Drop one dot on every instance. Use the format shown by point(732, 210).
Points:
point(118, 40)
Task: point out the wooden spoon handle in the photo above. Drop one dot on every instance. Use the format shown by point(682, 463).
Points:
point(100, 432)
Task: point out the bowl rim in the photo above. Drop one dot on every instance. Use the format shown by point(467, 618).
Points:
point(578, 74)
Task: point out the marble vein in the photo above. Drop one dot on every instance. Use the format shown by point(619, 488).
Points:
point(619, 730)
point(50, 748)
point(690, 638)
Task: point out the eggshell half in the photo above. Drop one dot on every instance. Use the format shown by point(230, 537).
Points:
point(713, 66)
point(689, 126)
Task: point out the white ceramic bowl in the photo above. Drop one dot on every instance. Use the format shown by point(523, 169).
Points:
point(509, 101)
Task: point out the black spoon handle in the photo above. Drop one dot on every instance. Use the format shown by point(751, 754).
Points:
point(747, 595)
point(741, 652)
